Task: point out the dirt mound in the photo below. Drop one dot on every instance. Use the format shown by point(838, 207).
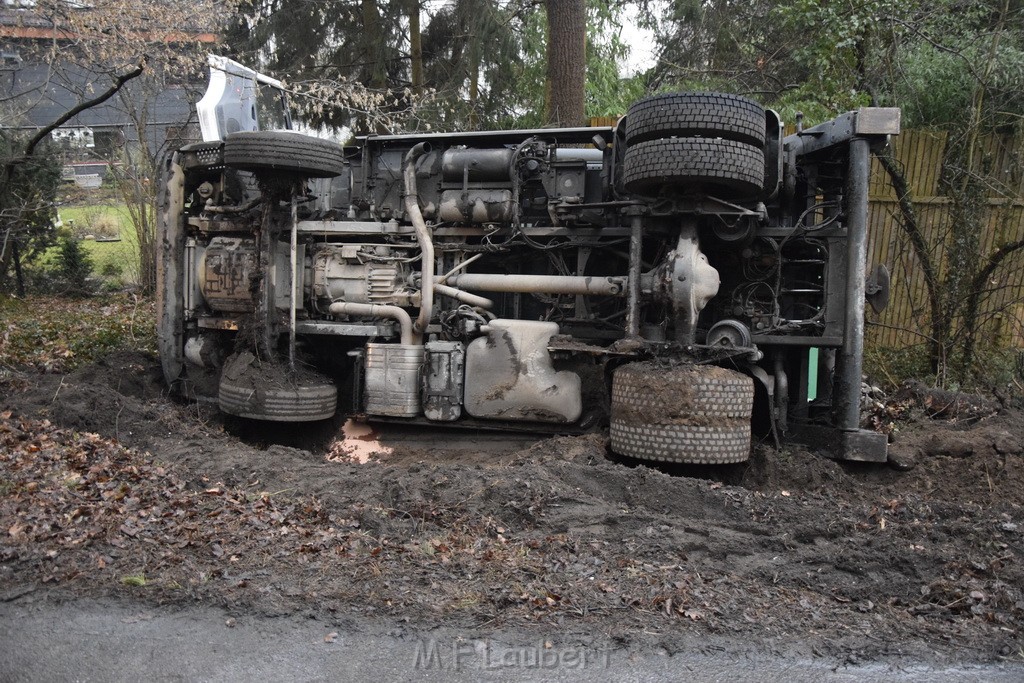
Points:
point(121, 396)
point(468, 529)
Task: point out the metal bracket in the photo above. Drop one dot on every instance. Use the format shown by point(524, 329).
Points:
point(874, 123)
point(877, 289)
point(860, 445)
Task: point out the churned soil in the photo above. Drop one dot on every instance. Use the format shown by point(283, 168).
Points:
point(108, 487)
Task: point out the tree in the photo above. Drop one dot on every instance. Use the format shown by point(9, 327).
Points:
point(454, 65)
point(565, 86)
point(86, 62)
point(728, 46)
point(794, 55)
point(344, 62)
point(977, 58)
point(27, 208)
point(27, 204)
point(474, 53)
point(74, 265)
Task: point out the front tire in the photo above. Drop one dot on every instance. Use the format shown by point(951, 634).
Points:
point(268, 391)
point(284, 151)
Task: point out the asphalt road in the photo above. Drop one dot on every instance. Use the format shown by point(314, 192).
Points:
point(105, 641)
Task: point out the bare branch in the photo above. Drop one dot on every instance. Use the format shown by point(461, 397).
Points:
point(118, 83)
point(993, 262)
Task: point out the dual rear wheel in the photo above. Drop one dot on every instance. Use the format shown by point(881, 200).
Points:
point(710, 143)
point(696, 414)
point(703, 142)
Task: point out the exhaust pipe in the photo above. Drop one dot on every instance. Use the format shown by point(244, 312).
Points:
point(382, 311)
point(412, 208)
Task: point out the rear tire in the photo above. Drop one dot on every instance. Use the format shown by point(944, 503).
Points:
point(684, 414)
point(284, 152)
point(710, 115)
point(694, 163)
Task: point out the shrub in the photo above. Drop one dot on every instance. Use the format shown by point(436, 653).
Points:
point(112, 270)
point(73, 266)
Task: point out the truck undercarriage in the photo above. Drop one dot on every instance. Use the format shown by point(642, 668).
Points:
point(687, 278)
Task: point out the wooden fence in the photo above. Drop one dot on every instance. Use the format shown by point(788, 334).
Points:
point(920, 153)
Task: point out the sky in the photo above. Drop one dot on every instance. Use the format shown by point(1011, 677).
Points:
point(640, 41)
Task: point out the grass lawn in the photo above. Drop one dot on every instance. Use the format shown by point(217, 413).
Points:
point(105, 220)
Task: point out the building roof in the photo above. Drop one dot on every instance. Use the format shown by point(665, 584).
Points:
point(42, 93)
point(26, 24)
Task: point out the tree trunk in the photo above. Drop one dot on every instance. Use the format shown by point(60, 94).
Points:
point(567, 61)
point(374, 73)
point(415, 48)
point(17, 268)
point(474, 81)
point(373, 36)
point(909, 224)
point(977, 294)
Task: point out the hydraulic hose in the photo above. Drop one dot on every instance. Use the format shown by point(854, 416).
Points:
point(464, 297)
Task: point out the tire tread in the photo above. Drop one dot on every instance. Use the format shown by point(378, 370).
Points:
point(689, 114)
point(717, 433)
point(284, 151)
point(720, 164)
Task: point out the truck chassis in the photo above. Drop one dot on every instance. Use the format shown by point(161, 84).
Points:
point(672, 278)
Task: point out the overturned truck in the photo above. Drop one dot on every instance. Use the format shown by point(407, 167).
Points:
point(687, 278)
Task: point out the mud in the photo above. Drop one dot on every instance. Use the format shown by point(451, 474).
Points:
point(663, 394)
point(791, 550)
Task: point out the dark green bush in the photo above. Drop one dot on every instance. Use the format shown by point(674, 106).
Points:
point(72, 267)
